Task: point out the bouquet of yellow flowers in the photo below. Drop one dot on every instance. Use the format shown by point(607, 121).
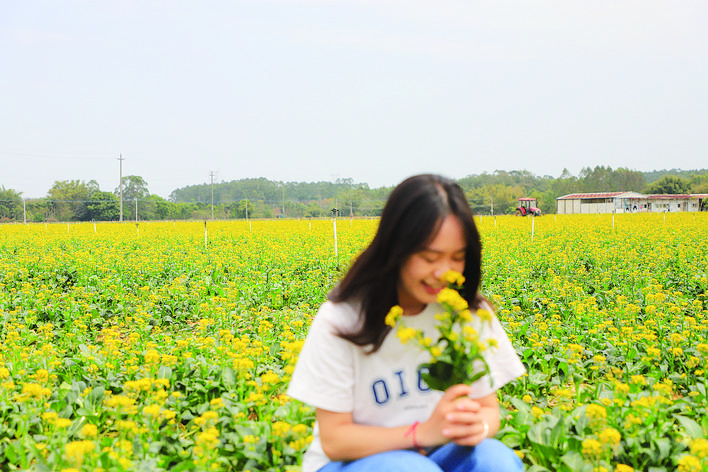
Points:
point(456, 356)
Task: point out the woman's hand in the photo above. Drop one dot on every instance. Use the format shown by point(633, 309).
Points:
point(460, 419)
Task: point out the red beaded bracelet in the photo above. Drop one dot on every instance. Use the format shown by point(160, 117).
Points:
point(411, 432)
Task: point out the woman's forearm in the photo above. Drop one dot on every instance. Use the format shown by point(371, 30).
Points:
point(353, 441)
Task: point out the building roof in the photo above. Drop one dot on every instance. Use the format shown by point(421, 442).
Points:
point(577, 196)
point(669, 196)
point(659, 196)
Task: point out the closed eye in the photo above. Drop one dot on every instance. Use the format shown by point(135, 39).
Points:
point(429, 256)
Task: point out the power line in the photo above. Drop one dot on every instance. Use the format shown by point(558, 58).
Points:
point(7, 153)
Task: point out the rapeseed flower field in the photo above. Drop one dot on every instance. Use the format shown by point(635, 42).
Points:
point(168, 346)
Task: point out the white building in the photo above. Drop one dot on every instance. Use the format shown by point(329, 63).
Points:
point(677, 202)
point(625, 202)
point(601, 202)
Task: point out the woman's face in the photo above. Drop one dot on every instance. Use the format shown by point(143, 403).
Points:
point(419, 280)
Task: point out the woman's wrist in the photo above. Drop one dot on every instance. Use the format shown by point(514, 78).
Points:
point(485, 432)
point(413, 433)
point(491, 422)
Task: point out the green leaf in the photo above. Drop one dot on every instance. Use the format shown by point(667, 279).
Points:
point(228, 377)
point(701, 388)
point(11, 453)
point(574, 460)
point(165, 372)
point(664, 448)
point(692, 428)
point(95, 397)
point(557, 434)
point(537, 468)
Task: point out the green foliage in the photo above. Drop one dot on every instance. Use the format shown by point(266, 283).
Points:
point(103, 206)
point(10, 203)
point(669, 184)
point(604, 179)
point(159, 342)
point(67, 200)
point(497, 192)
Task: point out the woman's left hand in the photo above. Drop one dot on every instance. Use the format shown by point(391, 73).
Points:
point(471, 420)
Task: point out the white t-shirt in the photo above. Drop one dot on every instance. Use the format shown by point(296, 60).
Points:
point(383, 388)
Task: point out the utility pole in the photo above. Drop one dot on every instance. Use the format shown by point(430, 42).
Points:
point(283, 200)
point(492, 203)
point(211, 174)
point(121, 187)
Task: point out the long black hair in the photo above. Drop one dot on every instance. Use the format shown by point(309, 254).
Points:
point(410, 220)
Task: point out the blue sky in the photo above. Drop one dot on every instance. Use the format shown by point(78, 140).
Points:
point(374, 90)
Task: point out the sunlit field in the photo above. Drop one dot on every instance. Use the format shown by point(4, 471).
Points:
point(169, 346)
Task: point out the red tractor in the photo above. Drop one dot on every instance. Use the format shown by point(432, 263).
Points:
point(527, 206)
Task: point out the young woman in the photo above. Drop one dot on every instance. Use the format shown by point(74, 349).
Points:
point(373, 411)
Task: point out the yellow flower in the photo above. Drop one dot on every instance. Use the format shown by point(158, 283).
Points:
point(217, 403)
point(702, 348)
point(50, 416)
point(152, 357)
point(62, 423)
point(299, 428)
point(621, 388)
point(41, 375)
point(280, 428)
point(699, 448)
point(127, 426)
point(469, 332)
point(453, 298)
point(89, 431)
point(35, 391)
point(638, 380)
point(76, 450)
point(269, 377)
point(591, 448)
point(484, 315)
point(452, 277)
point(537, 412)
point(152, 410)
point(610, 436)
point(596, 412)
point(689, 464)
point(623, 468)
point(393, 314)
point(405, 334)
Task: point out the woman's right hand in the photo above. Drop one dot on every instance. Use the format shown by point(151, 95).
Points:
point(450, 419)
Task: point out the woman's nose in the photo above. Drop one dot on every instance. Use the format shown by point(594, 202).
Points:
point(440, 270)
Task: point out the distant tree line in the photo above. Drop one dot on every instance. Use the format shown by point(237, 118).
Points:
point(497, 193)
